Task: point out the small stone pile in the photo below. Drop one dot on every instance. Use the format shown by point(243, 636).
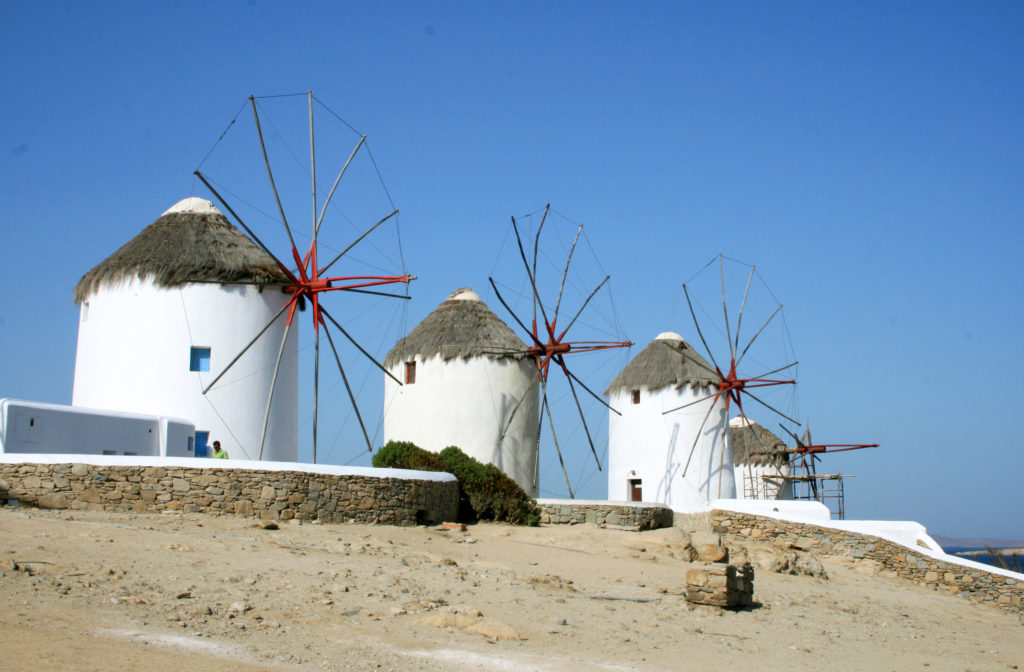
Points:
point(720, 585)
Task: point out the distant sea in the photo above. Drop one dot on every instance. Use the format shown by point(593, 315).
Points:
point(983, 557)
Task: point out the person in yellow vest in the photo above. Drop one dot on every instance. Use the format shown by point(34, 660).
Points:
point(218, 452)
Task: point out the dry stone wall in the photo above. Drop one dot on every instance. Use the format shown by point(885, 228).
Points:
point(273, 495)
point(974, 584)
point(641, 517)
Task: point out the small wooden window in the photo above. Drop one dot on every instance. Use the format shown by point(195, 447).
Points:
point(410, 373)
point(636, 396)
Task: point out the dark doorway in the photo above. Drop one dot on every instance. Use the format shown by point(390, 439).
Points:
point(635, 490)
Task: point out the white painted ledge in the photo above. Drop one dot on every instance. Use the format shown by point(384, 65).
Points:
point(210, 463)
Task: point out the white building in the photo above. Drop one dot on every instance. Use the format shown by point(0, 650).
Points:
point(681, 458)
point(467, 382)
point(166, 313)
point(760, 461)
point(28, 427)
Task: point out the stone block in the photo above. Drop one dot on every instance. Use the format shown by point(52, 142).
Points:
point(720, 585)
point(708, 547)
point(91, 495)
point(803, 543)
point(52, 500)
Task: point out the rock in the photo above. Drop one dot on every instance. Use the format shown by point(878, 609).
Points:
point(239, 607)
point(270, 525)
point(243, 507)
point(808, 564)
point(708, 547)
point(79, 469)
point(91, 495)
point(53, 500)
point(771, 559)
point(445, 619)
point(494, 630)
point(803, 544)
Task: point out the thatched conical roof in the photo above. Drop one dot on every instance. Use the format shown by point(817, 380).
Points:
point(191, 242)
point(667, 360)
point(463, 327)
point(753, 444)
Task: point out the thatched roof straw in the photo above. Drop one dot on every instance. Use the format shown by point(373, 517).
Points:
point(191, 242)
point(667, 360)
point(753, 444)
point(463, 327)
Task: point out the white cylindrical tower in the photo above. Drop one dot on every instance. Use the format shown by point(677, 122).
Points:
point(467, 382)
point(652, 456)
point(760, 461)
point(169, 311)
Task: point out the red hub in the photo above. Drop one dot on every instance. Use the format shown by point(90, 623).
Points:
point(544, 353)
point(309, 284)
point(731, 385)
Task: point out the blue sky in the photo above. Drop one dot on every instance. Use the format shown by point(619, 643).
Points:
point(866, 156)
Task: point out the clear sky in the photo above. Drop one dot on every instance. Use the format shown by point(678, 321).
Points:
point(866, 156)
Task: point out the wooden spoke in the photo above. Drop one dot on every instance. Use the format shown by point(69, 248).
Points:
point(356, 241)
point(583, 418)
point(699, 332)
point(249, 345)
point(514, 316)
point(361, 349)
point(255, 238)
point(554, 438)
point(273, 387)
point(270, 174)
point(337, 180)
point(696, 438)
point(348, 388)
point(763, 326)
point(743, 305)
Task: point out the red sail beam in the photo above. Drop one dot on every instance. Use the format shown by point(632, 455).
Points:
point(824, 447)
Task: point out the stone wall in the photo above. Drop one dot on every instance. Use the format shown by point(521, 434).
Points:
point(269, 495)
point(897, 560)
point(639, 516)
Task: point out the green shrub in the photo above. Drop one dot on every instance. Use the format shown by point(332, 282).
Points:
point(407, 455)
point(485, 493)
point(491, 494)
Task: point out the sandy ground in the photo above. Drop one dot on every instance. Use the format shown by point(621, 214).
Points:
point(98, 591)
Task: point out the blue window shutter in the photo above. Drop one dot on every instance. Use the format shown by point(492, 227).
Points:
point(202, 439)
point(199, 359)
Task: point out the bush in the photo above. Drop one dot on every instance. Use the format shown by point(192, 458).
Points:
point(491, 494)
point(407, 455)
point(485, 492)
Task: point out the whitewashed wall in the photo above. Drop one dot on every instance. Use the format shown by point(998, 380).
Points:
point(643, 443)
point(34, 428)
point(468, 403)
point(751, 485)
point(134, 344)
